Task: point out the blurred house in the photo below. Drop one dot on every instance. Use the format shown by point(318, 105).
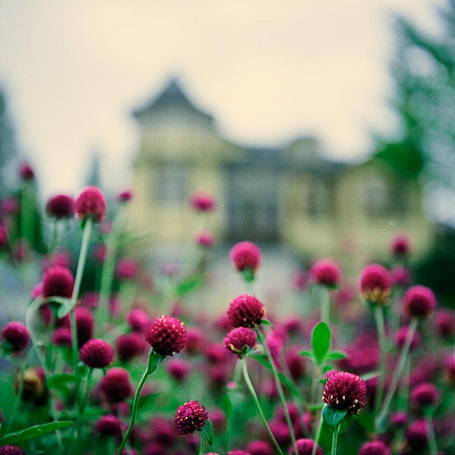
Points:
point(291, 195)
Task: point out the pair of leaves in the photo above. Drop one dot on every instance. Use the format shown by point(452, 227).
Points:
point(333, 416)
point(207, 431)
point(62, 305)
point(33, 432)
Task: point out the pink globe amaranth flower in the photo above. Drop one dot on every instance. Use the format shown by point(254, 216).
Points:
point(3, 237)
point(58, 281)
point(16, 335)
point(326, 272)
point(417, 435)
point(125, 196)
point(445, 323)
point(190, 417)
point(127, 269)
point(295, 362)
point(100, 253)
point(424, 395)
point(203, 202)
point(245, 311)
point(402, 335)
point(84, 324)
point(299, 281)
point(419, 302)
point(374, 448)
point(238, 338)
point(375, 284)
point(237, 452)
point(89, 300)
point(399, 419)
point(91, 203)
point(306, 447)
point(449, 365)
point(11, 450)
point(9, 206)
point(205, 239)
point(97, 353)
point(26, 172)
point(178, 369)
point(62, 337)
point(109, 425)
point(245, 256)
point(196, 340)
point(116, 385)
point(60, 206)
point(259, 447)
point(401, 276)
point(37, 291)
point(138, 320)
point(345, 391)
point(166, 335)
point(61, 258)
point(129, 346)
point(401, 245)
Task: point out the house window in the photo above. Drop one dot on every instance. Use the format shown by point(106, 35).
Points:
point(383, 198)
point(172, 183)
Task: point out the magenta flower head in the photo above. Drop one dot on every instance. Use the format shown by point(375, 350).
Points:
point(11, 450)
point(125, 196)
point(245, 311)
point(178, 369)
point(109, 426)
point(375, 284)
point(190, 417)
point(129, 346)
point(400, 275)
point(3, 237)
point(245, 256)
point(238, 338)
point(91, 203)
point(419, 302)
point(374, 448)
point(445, 323)
point(345, 391)
point(127, 269)
point(424, 395)
point(306, 447)
point(62, 337)
point(60, 206)
point(57, 281)
point(166, 335)
point(138, 320)
point(326, 272)
point(401, 246)
point(203, 202)
point(259, 447)
point(97, 353)
point(116, 385)
point(205, 239)
point(402, 335)
point(26, 172)
point(417, 435)
point(16, 335)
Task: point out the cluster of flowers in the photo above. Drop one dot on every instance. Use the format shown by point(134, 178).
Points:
point(84, 368)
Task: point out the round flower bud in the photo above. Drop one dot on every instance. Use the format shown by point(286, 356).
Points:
point(202, 202)
point(375, 284)
point(178, 369)
point(401, 246)
point(424, 395)
point(60, 206)
point(32, 384)
point(374, 448)
point(402, 335)
point(91, 203)
point(260, 447)
point(419, 302)
point(138, 320)
point(57, 281)
point(26, 172)
point(345, 391)
point(166, 335)
point(3, 237)
point(129, 346)
point(190, 417)
point(116, 385)
point(445, 323)
point(399, 419)
point(62, 337)
point(400, 275)
point(109, 425)
point(126, 269)
point(417, 435)
point(325, 272)
point(97, 353)
point(306, 447)
point(245, 311)
point(16, 335)
point(125, 196)
point(11, 450)
point(238, 338)
point(245, 256)
point(205, 239)
point(84, 324)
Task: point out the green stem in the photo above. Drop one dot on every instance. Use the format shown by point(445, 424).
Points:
point(379, 319)
point(29, 314)
point(20, 390)
point(325, 304)
point(318, 434)
point(258, 405)
point(201, 448)
point(279, 387)
point(54, 238)
point(431, 436)
point(398, 373)
point(336, 432)
point(82, 407)
point(148, 371)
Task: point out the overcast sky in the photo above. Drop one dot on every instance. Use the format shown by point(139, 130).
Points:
point(267, 70)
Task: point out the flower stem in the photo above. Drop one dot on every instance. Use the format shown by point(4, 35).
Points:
point(151, 367)
point(336, 432)
point(318, 434)
point(398, 373)
point(279, 387)
point(431, 436)
point(325, 304)
point(82, 407)
point(201, 448)
point(379, 319)
point(258, 405)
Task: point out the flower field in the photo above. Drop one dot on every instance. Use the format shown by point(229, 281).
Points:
point(106, 358)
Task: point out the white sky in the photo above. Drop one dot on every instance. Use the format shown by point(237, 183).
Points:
point(267, 70)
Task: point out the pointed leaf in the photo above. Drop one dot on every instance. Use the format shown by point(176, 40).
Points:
point(320, 342)
point(60, 381)
point(154, 360)
point(266, 322)
point(306, 353)
point(333, 416)
point(335, 355)
point(34, 432)
point(207, 431)
point(188, 285)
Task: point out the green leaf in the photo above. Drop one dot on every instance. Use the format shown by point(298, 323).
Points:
point(320, 342)
point(266, 322)
point(289, 385)
point(335, 355)
point(248, 275)
point(60, 381)
point(34, 432)
point(189, 285)
point(306, 353)
point(207, 431)
point(154, 360)
point(333, 416)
